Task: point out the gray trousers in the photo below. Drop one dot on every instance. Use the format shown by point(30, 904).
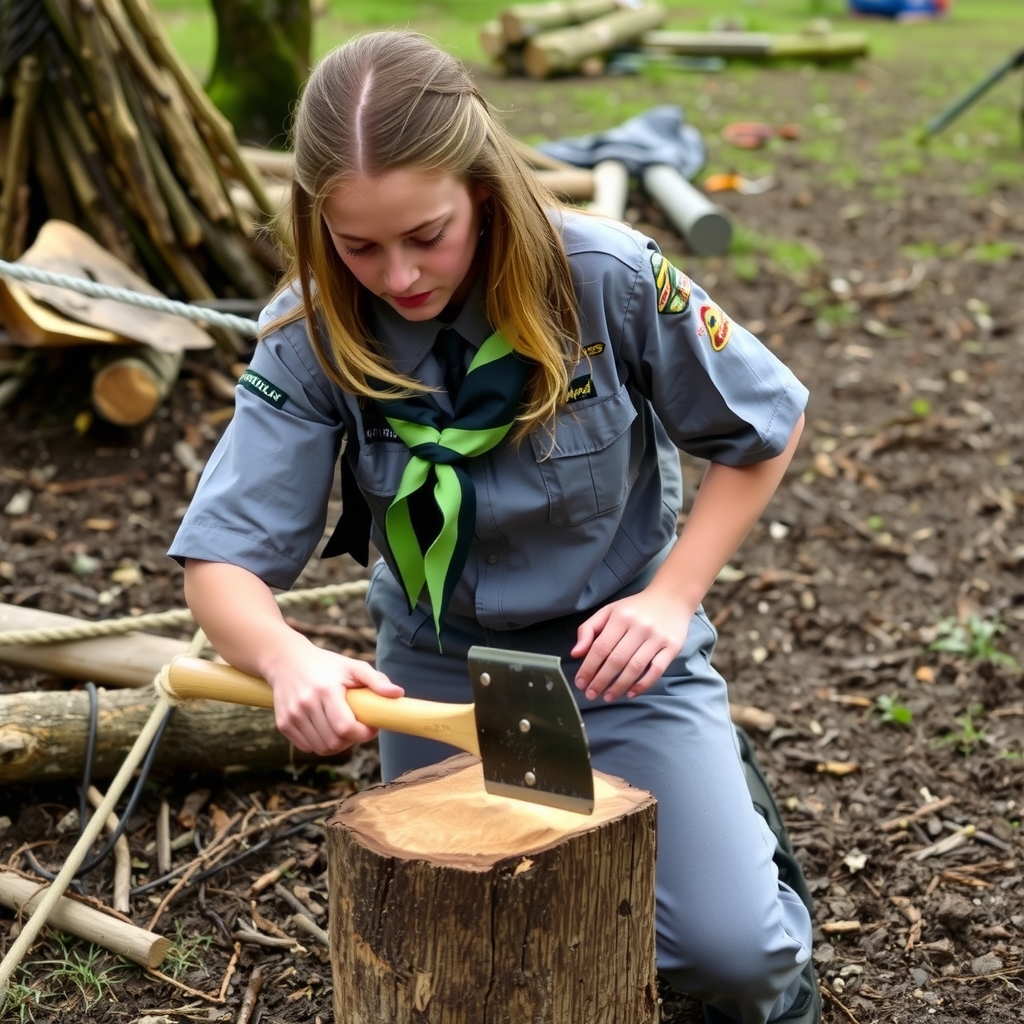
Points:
point(728, 931)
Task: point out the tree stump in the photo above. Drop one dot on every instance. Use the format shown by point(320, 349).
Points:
point(451, 905)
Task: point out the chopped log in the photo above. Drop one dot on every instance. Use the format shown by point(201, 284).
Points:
point(492, 39)
point(538, 159)
point(44, 736)
point(574, 183)
point(611, 189)
point(757, 45)
point(706, 229)
point(86, 922)
point(451, 905)
point(130, 384)
point(523, 21)
point(563, 50)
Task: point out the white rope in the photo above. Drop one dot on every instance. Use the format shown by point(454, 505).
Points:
point(86, 630)
point(20, 272)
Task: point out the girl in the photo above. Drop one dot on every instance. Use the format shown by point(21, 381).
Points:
point(512, 382)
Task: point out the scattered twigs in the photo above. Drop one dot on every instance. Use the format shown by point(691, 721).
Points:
point(250, 996)
point(220, 998)
point(312, 928)
point(895, 287)
point(833, 998)
point(946, 845)
point(163, 838)
point(925, 811)
point(122, 856)
point(247, 935)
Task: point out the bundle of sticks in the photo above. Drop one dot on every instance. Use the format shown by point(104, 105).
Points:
point(583, 36)
point(565, 36)
point(103, 126)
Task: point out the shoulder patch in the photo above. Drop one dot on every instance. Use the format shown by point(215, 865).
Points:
point(673, 285)
point(718, 325)
point(580, 388)
point(262, 388)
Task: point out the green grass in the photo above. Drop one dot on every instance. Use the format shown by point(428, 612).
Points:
point(75, 978)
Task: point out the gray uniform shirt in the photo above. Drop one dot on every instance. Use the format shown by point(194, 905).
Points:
point(563, 520)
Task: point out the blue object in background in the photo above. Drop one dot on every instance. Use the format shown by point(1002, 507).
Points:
point(900, 8)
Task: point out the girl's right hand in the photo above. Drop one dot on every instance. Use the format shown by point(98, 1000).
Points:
point(310, 708)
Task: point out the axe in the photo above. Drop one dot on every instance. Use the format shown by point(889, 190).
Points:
point(523, 724)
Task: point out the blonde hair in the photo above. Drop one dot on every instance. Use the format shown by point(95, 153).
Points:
point(389, 100)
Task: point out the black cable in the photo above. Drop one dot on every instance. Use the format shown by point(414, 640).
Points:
point(133, 800)
point(90, 752)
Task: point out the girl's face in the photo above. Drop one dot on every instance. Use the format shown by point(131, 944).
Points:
point(409, 236)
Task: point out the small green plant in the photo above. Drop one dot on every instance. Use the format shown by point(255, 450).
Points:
point(186, 953)
point(921, 407)
point(88, 975)
point(891, 709)
point(974, 639)
point(23, 1001)
point(968, 735)
point(993, 252)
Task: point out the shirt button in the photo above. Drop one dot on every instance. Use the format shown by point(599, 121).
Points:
point(491, 559)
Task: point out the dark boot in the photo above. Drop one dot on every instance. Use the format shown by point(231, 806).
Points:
point(764, 803)
point(806, 1009)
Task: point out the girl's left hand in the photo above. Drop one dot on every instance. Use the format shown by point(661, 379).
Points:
point(628, 644)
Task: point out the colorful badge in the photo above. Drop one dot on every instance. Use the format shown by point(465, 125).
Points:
point(718, 325)
point(672, 284)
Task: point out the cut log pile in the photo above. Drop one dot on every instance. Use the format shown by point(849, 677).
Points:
point(559, 37)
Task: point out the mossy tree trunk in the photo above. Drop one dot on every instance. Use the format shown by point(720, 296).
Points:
point(262, 59)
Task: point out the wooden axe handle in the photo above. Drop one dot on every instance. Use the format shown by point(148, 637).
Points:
point(192, 678)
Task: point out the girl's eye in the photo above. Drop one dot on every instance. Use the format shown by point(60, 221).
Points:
point(358, 252)
point(431, 242)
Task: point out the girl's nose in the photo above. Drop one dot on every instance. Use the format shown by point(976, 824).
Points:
point(400, 273)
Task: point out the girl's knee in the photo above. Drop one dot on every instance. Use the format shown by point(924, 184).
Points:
point(743, 972)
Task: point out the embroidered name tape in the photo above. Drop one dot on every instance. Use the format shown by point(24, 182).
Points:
point(580, 388)
point(594, 350)
point(262, 388)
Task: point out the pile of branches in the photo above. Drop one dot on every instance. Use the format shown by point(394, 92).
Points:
point(565, 36)
point(102, 125)
point(590, 37)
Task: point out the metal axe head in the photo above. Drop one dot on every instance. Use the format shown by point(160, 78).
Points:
point(532, 742)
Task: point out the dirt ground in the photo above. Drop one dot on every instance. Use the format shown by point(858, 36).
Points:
point(899, 527)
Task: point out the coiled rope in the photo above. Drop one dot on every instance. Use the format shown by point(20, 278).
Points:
point(213, 317)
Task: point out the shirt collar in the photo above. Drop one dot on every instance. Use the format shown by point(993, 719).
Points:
point(406, 343)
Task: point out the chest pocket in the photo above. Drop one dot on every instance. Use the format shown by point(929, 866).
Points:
point(380, 463)
point(586, 469)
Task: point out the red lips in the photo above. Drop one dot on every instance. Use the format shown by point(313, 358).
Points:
point(411, 301)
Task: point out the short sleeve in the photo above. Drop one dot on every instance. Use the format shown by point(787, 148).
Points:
point(262, 500)
point(721, 394)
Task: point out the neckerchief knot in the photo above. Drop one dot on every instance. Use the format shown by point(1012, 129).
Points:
point(430, 523)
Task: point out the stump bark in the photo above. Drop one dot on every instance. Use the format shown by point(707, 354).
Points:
point(450, 905)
